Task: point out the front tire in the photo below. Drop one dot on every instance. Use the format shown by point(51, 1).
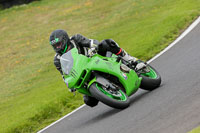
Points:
point(118, 101)
point(150, 80)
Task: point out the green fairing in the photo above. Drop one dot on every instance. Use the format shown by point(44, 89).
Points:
point(83, 66)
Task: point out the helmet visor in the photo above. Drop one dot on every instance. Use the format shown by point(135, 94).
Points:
point(57, 45)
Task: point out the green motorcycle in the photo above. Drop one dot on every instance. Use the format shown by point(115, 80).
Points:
point(109, 79)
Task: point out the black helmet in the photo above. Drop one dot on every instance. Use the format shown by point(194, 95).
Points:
point(60, 41)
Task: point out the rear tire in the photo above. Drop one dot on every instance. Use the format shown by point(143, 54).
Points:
point(119, 102)
point(151, 80)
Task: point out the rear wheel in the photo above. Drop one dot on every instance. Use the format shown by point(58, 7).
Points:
point(150, 80)
point(116, 99)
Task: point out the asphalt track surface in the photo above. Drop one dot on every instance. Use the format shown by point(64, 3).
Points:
point(172, 108)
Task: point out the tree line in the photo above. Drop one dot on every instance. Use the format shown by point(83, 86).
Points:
point(9, 3)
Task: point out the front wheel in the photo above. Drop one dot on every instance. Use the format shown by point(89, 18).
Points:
point(150, 80)
point(117, 99)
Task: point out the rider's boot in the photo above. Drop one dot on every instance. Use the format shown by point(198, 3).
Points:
point(127, 57)
point(90, 101)
point(133, 60)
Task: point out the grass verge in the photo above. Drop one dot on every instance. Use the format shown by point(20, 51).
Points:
point(196, 130)
point(32, 94)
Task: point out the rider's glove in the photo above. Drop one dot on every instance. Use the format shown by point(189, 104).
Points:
point(93, 48)
point(91, 51)
point(93, 45)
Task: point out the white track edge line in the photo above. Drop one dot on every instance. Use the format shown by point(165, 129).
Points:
point(197, 21)
point(61, 118)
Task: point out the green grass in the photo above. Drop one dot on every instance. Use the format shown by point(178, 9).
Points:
point(32, 93)
point(196, 130)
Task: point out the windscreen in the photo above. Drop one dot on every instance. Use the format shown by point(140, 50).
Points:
point(66, 61)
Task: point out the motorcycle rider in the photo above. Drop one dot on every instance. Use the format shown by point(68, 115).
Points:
point(61, 43)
